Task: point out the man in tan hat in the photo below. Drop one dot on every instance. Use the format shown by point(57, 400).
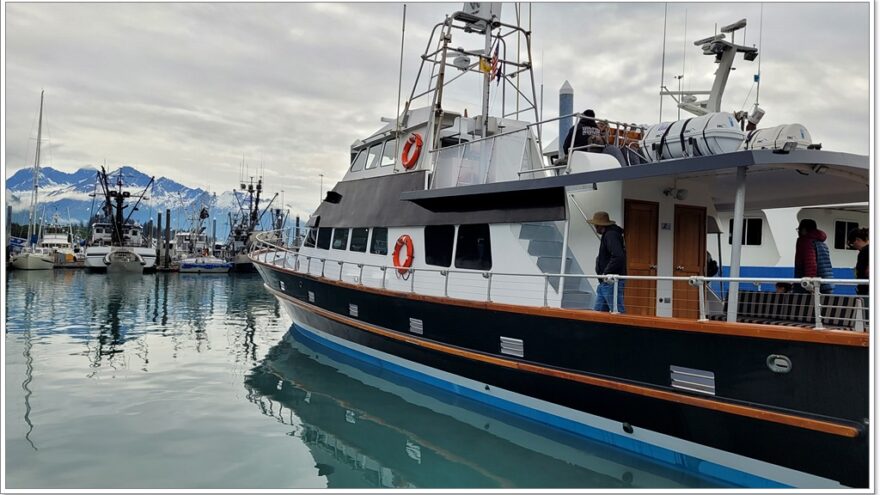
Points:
point(610, 260)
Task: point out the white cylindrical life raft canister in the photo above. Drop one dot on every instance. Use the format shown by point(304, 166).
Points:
point(710, 134)
point(774, 138)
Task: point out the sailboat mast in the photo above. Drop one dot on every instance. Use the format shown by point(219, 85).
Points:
point(33, 214)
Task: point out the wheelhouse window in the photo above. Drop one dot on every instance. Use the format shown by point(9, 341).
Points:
point(388, 156)
point(841, 230)
point(324, 237)
point(373, 157)
point(752, 231)
point(358, 163)
point(340, 239)
point(438, 244)
point(379, 243)
point(359, 239)
point(474, 249)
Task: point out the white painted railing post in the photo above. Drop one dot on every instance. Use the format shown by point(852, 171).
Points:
point(489, 287)
point(384, 272)
point(445, 274)
point(817, 303)
point(341, 264)
point(701, 287)
point(546, 286)
point(614, 296)
point(361, 274)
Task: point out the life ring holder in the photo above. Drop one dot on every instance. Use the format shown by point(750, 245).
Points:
point(409, 161)
point(403, 267)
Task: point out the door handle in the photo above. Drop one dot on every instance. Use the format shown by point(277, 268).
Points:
point(652, 267)
point(679, 268)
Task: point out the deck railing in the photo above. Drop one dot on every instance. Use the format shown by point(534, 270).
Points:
point(514, 154)
point(686, 297)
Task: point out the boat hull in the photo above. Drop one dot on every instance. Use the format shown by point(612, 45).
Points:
point(204, 266)
point(242, 264)
point(621, 392)
point(31, 261)
point(95, 257)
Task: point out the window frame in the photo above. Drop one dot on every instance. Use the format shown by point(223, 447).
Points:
point(469, 264)
point(746, 237)
point(320, 240)
point(354, 163)
point(847, 228)
point(391, 143)
point(336, 231)
point(371, 164)
point(351, 237)
point(432, 247)
point(372, 241)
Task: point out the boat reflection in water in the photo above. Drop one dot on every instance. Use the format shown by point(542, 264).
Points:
point(367, 427)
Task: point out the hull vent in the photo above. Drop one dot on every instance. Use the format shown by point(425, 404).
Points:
point(693, 380)
point(353, 310)
point(512, 347)
point(415, 326)
point(311, 297)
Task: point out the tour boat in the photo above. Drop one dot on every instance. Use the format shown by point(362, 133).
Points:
point(454, 253)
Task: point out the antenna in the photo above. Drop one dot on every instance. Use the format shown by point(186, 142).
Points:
point(761, 45)
point(663, 60)
point(399, 91)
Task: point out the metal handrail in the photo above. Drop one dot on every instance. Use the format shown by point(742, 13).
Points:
point(533, 124)
point(812, 284)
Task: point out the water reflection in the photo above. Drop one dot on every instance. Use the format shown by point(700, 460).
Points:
point(366, 427)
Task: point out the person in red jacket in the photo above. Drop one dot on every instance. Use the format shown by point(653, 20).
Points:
point(811, 256)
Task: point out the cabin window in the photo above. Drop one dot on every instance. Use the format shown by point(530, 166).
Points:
point(841, 230)
point(752, 231)
point(340, 239)
point(379, 244)
point(374, 156)
point(311, 238)
point(359, 239)
point(388, 157)
point(474, 250)
point(358, 163)
point(438, 244)
point(99, 231)
point(324, 238)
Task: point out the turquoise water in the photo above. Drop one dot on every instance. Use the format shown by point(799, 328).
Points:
point(195, 381)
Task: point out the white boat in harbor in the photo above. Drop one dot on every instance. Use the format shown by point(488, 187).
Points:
point(205, 264)
point(33, 257)
point(453, 253)
point(117, 240)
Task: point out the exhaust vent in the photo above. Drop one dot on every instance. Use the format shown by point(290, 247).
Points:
point(693, 380)
point(415, 326)
point(512, 347)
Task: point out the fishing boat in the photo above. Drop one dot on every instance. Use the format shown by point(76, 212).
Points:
point(246, 224)
point(33, 257)
point(58, 239)
point(117, 243)
point(454, 253)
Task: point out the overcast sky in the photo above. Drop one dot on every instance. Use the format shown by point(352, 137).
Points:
point(184, 90)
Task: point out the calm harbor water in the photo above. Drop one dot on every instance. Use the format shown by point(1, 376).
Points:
point(194, 381)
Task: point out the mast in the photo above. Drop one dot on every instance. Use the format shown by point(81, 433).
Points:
point(33, 214)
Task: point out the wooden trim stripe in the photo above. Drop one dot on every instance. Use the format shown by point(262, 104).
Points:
point(829, 427)
point(755, 330)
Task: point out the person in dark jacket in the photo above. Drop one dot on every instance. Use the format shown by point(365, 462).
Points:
point(811, 256)
point(611, 260)
point(858, 238)
point(584, 133)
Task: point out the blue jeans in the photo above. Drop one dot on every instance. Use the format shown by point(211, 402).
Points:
point(605, 296)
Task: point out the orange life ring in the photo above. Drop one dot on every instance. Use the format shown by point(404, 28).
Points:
point(409, 161)
point(403, 267)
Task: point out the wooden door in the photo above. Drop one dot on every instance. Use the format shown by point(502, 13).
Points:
point(688, 259)
point(640, 234)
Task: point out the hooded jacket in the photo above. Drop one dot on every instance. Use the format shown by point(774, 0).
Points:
point(811, 257)
point(612, 252)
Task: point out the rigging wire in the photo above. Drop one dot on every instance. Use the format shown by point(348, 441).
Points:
point(399, 91)
point(760, 54)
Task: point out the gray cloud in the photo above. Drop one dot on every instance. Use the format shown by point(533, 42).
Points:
point(184, 90)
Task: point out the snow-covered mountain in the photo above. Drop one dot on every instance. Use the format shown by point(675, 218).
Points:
point(60, 192)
